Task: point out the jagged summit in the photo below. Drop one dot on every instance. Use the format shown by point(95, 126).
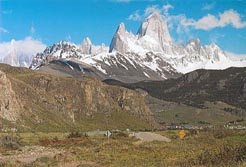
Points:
point(121, 28)
point(155, 27)
point(195, 41)
point(153, 35)
point(155, 15)
point(119, 41)
point(148, 55)
point(86, 46)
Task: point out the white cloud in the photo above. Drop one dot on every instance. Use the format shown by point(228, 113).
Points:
point(184, 25)
point(135, 16)
point(229, 17)
point(19, 52)
point(166, 8)
point(208, 22)
point(149, 10)
point(3, 30)
point(235, 56)
point(208, 6)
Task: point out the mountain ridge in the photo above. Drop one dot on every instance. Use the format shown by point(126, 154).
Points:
point(197, 87)
point(150, 54)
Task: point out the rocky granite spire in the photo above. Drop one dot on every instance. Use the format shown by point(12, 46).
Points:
point(86, 46)
point(118, 41)
point(155, 27)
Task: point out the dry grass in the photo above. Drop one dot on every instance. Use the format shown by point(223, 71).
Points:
point(203, 148)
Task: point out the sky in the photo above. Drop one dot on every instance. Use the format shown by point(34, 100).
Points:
point(46, 22)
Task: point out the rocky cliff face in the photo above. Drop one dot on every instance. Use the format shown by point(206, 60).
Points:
point(119, 42)
point(86, 46)
point(154, 27)
point(66, 102)
point(10, 107)
point(153, 35)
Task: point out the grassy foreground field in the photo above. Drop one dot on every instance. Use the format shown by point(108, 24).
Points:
point(198, 148)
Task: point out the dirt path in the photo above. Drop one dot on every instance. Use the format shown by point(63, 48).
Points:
point(149, 136)
point(29, 154)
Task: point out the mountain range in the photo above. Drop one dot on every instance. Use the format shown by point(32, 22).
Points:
point(150, 54)
point(141, 81)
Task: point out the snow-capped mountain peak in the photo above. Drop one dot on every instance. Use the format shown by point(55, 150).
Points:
point(195, 42)
point(61, 50)
point(153, 35)
point(121, 29)
point(119, 41)
point(155, 27)
point(149, 54)
point(86, 46)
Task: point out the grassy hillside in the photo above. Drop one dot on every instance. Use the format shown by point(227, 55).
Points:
point(197, 87)
point(50, 103)
point(203, 96)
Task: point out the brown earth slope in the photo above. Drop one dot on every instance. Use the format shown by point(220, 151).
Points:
point(42, 102)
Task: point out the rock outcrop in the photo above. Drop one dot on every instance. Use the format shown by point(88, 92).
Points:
point(9, 105)
point(56, 102)
point(86, 46)
point(119, 41)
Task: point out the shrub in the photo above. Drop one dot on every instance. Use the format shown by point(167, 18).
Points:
point(10, 142)
point(224, 155)
point(222, 133)
point(193, 132)
point(74, 135)
point(119, 135)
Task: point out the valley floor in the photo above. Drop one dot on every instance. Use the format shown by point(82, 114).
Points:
point(198, 148)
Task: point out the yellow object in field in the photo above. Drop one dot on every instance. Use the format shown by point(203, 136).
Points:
point(182, 134)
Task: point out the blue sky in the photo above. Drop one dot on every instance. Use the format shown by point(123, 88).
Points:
point(49, 21)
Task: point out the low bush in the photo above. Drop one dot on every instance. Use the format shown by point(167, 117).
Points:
point(119, 135)
point(75, 135)
point(222, 133)
point(224, 155)
point(10, 142)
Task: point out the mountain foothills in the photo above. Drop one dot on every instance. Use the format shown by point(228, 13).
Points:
point(151, 54)
point(197, 87)
point(208, 96)
point(42, 102)
point(34, 100)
